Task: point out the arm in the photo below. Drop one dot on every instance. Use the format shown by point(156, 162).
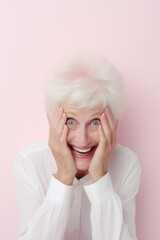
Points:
point(40, 219)
point(113, 214)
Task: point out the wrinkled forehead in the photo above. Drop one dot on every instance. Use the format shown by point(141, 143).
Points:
point(76, 111)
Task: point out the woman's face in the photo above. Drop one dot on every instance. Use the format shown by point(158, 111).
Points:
point(83, 133)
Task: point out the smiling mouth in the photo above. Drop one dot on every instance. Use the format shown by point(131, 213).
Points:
point(81, 151)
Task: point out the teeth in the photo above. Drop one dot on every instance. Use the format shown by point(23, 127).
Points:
point(79, 153)
point(82, 150)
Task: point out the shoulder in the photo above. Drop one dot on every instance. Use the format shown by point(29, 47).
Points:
point(34, 147)
point(124, 168)
point(35, 161)
point(33, 153)
point(125, 152)
point(124, 159)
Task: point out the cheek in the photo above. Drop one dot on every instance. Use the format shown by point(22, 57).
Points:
point(95, 136)
point(71, 134)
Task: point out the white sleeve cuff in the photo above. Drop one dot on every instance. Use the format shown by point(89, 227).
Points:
point(59, 192)
point(100, 190)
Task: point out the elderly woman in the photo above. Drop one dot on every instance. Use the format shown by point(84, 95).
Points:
point(80, 184)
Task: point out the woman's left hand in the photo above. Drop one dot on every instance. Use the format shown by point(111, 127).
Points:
point(107, 132)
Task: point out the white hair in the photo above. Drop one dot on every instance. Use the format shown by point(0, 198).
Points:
point(85, 80)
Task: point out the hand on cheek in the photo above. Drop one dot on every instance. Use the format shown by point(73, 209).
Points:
point(107, 134)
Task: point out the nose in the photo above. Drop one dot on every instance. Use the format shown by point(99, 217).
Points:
point(82, 137)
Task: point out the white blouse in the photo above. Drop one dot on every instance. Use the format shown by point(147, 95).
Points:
point(51, 210)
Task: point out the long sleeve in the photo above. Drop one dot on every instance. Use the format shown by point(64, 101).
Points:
point(39, 219)
point(113, 214)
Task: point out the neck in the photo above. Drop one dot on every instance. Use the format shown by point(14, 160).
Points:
point(81, 173)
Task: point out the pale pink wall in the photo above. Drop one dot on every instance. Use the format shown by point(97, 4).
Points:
point(34, 35)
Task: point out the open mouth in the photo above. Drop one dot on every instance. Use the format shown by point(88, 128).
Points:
point(81, 152)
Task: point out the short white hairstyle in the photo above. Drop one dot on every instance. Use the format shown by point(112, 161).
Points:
point(85, 80)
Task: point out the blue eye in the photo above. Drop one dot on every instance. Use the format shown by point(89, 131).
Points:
point(70, 121)
point(96, 122)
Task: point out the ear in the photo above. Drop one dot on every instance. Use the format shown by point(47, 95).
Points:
point(116, 124)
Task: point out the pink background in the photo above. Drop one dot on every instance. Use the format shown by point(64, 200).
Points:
point(34, 35)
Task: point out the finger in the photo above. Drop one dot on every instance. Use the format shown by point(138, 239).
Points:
point(112, 124)
point(63, 138)
point(61, 124)
point(56, 117)
point(110, 119)
point(103, 139)
point(106, 128)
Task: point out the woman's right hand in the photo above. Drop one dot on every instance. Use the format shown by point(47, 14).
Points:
point(58, 144)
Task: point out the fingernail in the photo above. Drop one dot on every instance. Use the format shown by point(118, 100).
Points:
point(103, 116)
point(100, 128)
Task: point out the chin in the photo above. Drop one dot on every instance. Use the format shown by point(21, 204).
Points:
point(82, 164)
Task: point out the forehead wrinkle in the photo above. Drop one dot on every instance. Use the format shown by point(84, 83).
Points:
point(91, 115)
point(72, 113)
point(73, 110)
